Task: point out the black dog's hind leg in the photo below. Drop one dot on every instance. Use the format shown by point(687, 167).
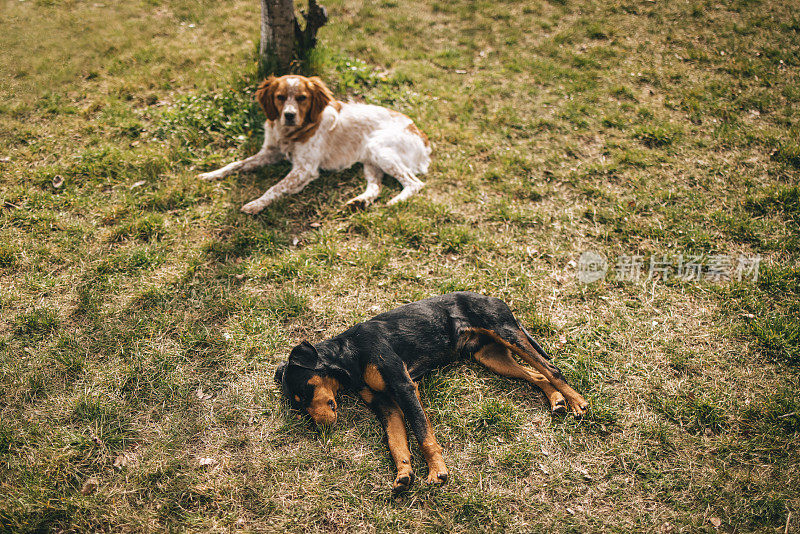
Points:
point(516, 340)
point(394, 424)
point(497, 358)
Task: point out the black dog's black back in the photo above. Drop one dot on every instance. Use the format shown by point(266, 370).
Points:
point(429, 333)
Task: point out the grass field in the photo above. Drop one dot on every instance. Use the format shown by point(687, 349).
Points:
point(142, 316)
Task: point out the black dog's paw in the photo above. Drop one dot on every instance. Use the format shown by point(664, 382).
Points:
point(438, 478)
point(403, 482)
point(560, 407)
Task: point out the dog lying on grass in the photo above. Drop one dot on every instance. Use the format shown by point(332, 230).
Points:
point(309, 127)
point(383, 358)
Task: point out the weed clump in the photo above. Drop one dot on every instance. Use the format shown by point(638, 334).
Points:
point(657, 136)
point(287, 305)
point(37, 323)
point(146, 228)
point(110, 425)
point(788, 153)
point(198, 118)
point(778, 413)
point(494, 417)
point(778, 337)
point(695, 413)
point(8, 256)
point(774, 305)
point(783, 199)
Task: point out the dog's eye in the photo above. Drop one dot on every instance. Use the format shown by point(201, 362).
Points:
point(282, 98)
point(300, 98)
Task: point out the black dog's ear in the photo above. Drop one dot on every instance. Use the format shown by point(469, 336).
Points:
point(279, 373)
point(304, 355)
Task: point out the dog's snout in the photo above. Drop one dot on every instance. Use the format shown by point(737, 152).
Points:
point(332, 404)
point(289, 116)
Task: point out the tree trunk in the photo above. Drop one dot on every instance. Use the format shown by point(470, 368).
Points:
point(277, 35)
point(282, 40)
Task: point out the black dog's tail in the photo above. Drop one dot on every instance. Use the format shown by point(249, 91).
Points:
point(533, 342)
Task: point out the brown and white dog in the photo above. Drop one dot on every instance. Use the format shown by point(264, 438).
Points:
point(309, 127)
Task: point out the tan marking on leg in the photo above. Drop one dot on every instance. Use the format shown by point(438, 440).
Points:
point(397, 439)
point(437, 470)
point(398, 446)
point(373, 378)
point(498, 358)
point(530, 355)
point(367, 395)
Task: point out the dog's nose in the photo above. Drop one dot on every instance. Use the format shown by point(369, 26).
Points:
point(289, 116)
point(332, 405)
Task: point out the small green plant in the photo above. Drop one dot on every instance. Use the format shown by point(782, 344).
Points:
point(778, 336)
point(286, 305)
point(494, 417)
point(595, 30)
point(519, 460)
point(773, 303)
point(775, 414)
point(781, 199)
point(146, 228)
point(38, 322)
point(788, 153)
point(623, 93)
point(613, 121)
point(230, 115)
point(103, 418)
point(8, 256)
point(657, 136)
point(356, 75)
point(455, 239)
point(6, 439)
point(697, 413)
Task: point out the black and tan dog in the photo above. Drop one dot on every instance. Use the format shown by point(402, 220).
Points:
point(383, 358)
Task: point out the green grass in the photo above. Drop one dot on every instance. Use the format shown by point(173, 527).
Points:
point(142, 316)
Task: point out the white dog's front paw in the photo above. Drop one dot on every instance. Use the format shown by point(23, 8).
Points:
point(253, 208)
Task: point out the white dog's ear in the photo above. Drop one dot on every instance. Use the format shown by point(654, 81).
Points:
point(321, 96)
point(265, 95)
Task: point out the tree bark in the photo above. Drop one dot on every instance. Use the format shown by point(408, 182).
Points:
point(266, 32)
point(277, 34)
point(316, 17)
point(282, 39)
